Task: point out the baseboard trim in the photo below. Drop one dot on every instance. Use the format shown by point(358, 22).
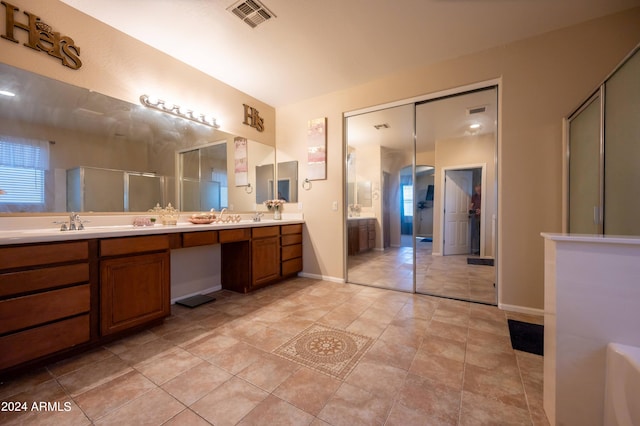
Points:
point(203, 291)
point(521, 309)
point(321, 277)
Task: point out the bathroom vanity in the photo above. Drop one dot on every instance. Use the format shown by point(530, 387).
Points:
point(63, 292)
point(361, 232)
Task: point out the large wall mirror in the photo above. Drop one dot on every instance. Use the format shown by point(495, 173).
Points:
point(64, 148)
point(287, 185)
point(421, 196)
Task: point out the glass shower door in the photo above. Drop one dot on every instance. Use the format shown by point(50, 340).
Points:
point(622, 150)
point(585, 192)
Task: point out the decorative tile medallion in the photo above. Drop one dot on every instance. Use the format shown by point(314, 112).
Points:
point(325, 349)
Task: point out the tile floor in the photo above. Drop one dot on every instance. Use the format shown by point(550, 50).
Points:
point(448, 276)
point(433, 361)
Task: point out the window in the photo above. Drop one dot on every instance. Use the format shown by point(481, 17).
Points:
point(24, 186)
point(22, 166)
point(407, 200)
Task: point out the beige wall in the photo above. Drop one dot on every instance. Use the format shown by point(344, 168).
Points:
point(119, 66)
point(542, 80)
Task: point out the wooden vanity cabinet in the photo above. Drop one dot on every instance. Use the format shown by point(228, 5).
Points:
point(135, 284)
point(260, 256)
point(361, 235)
point(265, 255)
point(45, 300)
point(291, 249)
point(235, 265)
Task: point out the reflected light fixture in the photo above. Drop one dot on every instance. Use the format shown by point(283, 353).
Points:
point(178, 111)
point(474, 126)
point(7, 93)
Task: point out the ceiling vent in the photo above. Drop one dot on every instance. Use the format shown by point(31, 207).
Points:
point(476, 110)
point(381, 126)
point(252, 12)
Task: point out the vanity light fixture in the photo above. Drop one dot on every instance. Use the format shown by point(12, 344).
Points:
point(474, 126)
point(7, 93)
point(178, 111)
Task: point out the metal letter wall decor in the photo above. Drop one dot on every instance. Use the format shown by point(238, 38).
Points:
point(252, 118)
point(41, 37)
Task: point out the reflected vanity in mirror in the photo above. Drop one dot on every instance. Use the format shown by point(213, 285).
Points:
point(100, 154)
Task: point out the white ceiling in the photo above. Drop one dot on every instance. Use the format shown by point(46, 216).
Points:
point(316, 47)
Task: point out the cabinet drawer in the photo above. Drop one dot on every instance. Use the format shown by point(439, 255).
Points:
point(266, 231)
point(291, 229)
point(292, 266)
point(129, 245)
point(231, 235)
point(27, 311)
point(290, 252)
point(45, 254)
point(40, 341)
point(43, 278)
point(201, 238)
point(290, 239)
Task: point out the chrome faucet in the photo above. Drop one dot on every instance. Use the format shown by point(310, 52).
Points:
point(74, 218)
point(75, 223)
point(257, 216)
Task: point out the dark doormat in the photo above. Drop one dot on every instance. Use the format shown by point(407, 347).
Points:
point(479, 261)
point(426, 240)
point(193, 301)
point(527, 337)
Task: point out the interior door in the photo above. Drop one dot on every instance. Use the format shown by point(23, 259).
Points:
point(457, 186)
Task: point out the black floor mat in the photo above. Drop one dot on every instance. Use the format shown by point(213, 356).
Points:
point(479, 261)
point(197, 300)
point(527, 337)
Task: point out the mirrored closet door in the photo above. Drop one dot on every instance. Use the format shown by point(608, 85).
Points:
point(380, 154)
point(421, 193)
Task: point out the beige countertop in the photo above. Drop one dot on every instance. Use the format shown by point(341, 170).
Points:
point(31, 233)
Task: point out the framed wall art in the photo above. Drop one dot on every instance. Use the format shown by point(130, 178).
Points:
point(241, 168)
point(317, 149)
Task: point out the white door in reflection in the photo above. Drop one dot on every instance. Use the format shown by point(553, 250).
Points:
point(457, 187)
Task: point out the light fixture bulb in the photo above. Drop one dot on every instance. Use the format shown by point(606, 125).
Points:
point(178, 111)
point(474, 126)
point(7, 93)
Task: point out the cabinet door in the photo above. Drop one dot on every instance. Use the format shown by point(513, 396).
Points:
point(353, 236)
point(265, 260)
point(371, 226)
point(134, 290)
point(363, 234)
